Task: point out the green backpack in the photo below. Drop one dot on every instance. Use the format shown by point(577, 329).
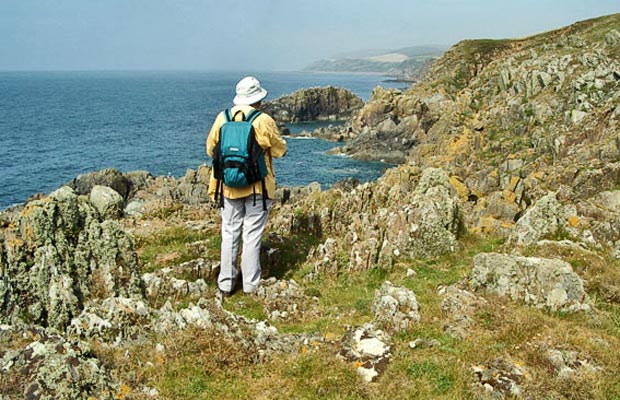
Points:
point(238, 160)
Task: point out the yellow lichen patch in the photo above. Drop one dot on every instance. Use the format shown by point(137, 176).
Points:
point(509, 196)
point(514, 182)
point(29, 233)
point(460, 187)
point(573, 221)
point(123, 391)
point(537, 175)
point(27, 210)
point(507, 225)
point(331, 336)
point(13, 242)
point(459, 146)
point(487, 224)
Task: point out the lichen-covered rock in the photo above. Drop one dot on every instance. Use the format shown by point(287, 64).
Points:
point(369, 349)
point(112, 320)
point(110, 177)
point(323, 259)
point(161, 286)
point(540, 282)
point(543, 220)
point(460, 305)
point(433, 216)
point(395, 308)
point(156, 192)
point(328, 103)
point(568, 364)
point(59, 254)
point(405, 213)
point(53, 368)
point(500, 378)
point(107, 201)
point(286, 300)
point(259, 338)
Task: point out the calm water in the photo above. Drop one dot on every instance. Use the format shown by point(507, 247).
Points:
point(57, 125)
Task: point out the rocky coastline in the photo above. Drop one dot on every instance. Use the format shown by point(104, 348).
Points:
point(486, 264)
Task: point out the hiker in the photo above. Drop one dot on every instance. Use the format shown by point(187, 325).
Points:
point(244, 209)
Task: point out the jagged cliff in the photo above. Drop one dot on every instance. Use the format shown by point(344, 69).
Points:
point(528, 92)
point(509, 119)
point(485, 265)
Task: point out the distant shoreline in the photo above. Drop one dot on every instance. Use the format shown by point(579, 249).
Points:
point(390, 78)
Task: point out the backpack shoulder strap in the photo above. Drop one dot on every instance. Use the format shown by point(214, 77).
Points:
point(252, 115)
point(227, 115)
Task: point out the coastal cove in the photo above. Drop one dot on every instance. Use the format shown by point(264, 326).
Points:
point(55, 126)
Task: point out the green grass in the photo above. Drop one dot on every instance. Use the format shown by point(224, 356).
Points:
point(247, 306)
point(173, 242)
point(432, 373)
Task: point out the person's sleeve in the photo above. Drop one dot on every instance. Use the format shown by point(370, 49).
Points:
point(271, 139)
point(214, 134)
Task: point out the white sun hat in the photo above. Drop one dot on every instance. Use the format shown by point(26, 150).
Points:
point(249, 91)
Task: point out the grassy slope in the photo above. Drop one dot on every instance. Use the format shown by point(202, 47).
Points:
point(198, 364)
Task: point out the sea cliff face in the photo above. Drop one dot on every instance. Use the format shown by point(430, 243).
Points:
point(314, 104)
point(486, 264)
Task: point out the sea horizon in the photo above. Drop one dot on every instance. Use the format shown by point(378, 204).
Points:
point(56, 125)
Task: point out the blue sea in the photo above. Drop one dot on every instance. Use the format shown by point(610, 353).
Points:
point(57, 125)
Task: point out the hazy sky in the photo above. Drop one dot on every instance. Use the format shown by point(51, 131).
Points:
point(257, 34)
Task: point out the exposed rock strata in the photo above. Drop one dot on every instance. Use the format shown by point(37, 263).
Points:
point(542, 283)
point(314, 104)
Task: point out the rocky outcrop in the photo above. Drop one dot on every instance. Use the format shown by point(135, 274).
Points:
point(314, 104)
point(511, 120)
point(153, 192)
point(405, 213)
point(107, 201)
point(59, 254)
point(395, 308)
point(499, 379)
point(544, 219)
point(542, 283)
point(460, 306)
point(135, 193)
point(110, 177)
point(390, 125)
point(286, 300)
point(52, 367)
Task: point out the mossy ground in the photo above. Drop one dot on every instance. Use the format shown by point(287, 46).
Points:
point(202, 364)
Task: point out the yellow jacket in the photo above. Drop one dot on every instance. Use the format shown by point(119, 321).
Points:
point(267, 136)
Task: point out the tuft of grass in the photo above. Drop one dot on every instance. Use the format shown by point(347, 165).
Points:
point(246, 306)
point(169, 246)
point(432, 374)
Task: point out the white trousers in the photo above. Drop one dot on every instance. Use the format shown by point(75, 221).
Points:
point(242, 219)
